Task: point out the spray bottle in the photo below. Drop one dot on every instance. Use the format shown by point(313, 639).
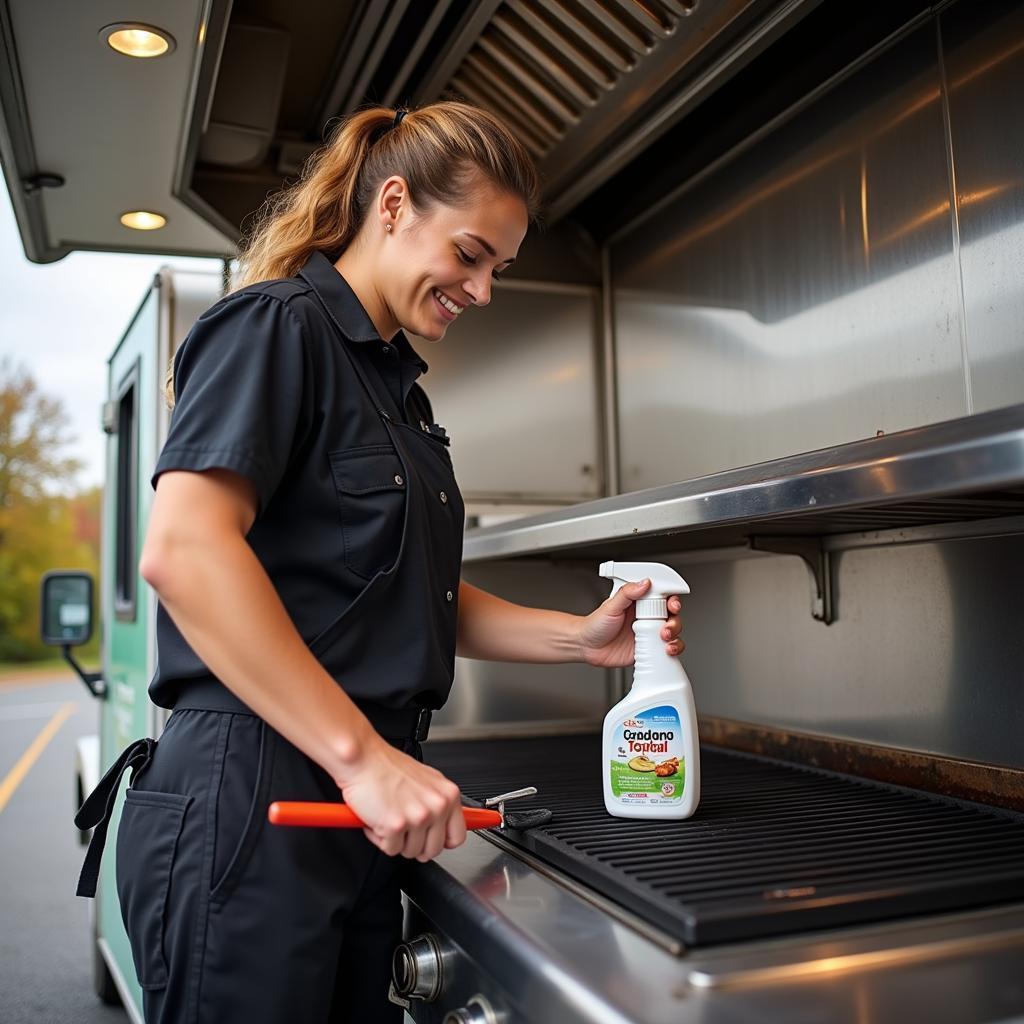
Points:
point(650, 750)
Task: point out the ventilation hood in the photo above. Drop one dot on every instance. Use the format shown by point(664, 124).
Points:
point(202, 134)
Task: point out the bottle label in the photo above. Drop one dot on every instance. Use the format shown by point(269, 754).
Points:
point(648, 767)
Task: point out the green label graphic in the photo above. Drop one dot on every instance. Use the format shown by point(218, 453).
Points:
point(628, 783)
point(647, 766)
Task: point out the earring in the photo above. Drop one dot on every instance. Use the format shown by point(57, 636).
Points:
point(387, 227)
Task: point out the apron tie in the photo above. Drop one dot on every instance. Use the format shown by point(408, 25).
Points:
point(99, 806)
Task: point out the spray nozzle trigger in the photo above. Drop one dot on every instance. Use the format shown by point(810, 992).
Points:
point(664, 581)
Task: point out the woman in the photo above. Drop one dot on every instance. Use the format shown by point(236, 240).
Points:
point(305, 544)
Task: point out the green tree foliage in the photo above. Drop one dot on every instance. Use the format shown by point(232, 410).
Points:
point(43, 525)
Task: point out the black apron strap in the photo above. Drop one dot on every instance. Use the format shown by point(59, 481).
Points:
point(99, 806)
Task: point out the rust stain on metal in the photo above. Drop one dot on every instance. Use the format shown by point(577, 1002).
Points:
point(965, 780)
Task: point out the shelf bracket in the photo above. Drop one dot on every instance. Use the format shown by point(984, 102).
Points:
point(819, 564)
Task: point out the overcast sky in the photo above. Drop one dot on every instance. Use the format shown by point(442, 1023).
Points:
point(62, 320)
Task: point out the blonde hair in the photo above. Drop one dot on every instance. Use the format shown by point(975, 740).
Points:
point(444, 151)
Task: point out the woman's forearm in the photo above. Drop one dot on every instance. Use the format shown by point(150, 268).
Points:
point(493, 629)
point(225, 606)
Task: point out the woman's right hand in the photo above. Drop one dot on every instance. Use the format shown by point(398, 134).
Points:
point(409, 808)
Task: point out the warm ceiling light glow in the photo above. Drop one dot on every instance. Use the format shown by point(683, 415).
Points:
point(143, 220)
point(137, 40)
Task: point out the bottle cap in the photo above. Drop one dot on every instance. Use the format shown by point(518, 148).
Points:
point(652, 608)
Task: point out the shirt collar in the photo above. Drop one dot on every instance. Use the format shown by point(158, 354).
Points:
point(347, 311)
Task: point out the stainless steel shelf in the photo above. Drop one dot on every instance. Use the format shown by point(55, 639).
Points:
point(958, 471)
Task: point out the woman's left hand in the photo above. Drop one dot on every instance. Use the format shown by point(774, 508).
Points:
point(606, 636)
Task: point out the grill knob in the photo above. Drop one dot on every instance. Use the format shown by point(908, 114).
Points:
point(416, 968)
point(476, 1011)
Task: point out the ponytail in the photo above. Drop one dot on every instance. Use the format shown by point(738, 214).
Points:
point(444, 151)
point(439, 150)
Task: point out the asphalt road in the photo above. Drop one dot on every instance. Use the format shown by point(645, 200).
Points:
point(45, 959)
point(45, 954)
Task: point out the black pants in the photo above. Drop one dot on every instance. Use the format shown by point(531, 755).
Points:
point(232, 919)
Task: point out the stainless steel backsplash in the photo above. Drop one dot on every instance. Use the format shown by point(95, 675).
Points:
point(927, 652)
point(819, 286)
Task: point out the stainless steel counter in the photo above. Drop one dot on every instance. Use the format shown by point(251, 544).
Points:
point(961, 470)
point(541, 953)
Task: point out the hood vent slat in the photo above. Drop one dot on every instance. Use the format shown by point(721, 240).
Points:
point(546, 125)
point(536, 88)
point(576, 77)
point(561, 73)
point(574, 48)
point(623, 58)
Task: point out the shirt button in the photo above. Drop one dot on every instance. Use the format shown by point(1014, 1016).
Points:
point(399, 480)
point(444, 498)
point(448, 595)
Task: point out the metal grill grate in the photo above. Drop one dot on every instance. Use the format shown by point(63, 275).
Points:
point(773, 849)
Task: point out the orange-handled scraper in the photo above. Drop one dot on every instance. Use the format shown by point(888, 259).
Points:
point(328, 815)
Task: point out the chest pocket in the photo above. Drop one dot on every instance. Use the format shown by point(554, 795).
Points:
point(372, 488)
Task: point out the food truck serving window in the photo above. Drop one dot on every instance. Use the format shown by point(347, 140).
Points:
point(126, 497)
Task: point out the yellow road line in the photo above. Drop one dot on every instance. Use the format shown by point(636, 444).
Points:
point(25, 762)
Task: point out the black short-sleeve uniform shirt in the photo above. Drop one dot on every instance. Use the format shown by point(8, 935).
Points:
point(265, 389)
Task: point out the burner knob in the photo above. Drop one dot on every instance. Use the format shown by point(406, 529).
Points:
point(476, 1011)
point(416, 968)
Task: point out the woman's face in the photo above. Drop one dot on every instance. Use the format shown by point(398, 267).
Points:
point(443, 260)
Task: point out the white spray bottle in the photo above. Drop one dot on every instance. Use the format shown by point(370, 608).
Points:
point(650, 749)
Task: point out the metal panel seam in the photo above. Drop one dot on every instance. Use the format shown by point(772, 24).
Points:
point(954, 215)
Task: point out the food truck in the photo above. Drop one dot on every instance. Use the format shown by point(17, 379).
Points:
point(770, 337)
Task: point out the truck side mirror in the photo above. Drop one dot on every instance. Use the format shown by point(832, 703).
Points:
point(66, 618)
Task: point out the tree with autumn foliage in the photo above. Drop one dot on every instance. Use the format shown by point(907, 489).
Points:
point(44, 524)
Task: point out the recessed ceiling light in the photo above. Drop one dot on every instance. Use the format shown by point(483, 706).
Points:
point(137, 40)
point(143, 220)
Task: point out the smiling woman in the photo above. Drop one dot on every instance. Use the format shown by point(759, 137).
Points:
point(305, 542)
point(449, 180)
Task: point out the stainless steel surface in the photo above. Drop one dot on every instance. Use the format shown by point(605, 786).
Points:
point(417, 968)
point(975, 454)
point(802, 296)
point(772, 21)
point(942, 941)
point(926, 653)
point(984, 56)
point(557, 959)
point(754, 138)
point(487, 693)
point(954, 216)
point(477, 1011)
point(612, 474)
point(535, 345)
point(614, 910)
point(1005, 526)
